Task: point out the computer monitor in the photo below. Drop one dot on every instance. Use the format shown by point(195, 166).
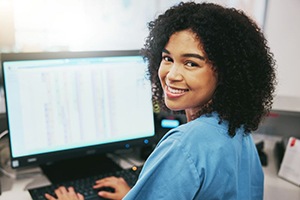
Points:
point(62, 105)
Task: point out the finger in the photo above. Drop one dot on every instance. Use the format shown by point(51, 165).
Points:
point(61, 191)
point(107, 195)
point(107, 182)
point(57, 192)
point(49, 197)
point(104, 184)
point(106, 179)
point(71, 191)
point(80, 196)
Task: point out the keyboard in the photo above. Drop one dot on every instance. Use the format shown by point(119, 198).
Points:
point(85, 185)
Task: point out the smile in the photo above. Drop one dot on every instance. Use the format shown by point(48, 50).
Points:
point(174, 92)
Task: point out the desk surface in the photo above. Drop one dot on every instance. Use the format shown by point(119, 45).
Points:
point(275, 187)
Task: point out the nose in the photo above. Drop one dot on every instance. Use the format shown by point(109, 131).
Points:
point(175, 73)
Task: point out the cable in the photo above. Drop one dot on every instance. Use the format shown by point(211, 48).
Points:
point(5, 132)
point(10, 175)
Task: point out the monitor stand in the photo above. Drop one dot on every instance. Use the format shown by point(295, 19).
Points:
point(78, 168)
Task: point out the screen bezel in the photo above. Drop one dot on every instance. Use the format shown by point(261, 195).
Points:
point(50, 157)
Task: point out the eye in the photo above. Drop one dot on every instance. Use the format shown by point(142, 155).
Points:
point(167, 59)
point(191, 64)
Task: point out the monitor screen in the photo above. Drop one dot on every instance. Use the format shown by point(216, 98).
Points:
point(65, 104)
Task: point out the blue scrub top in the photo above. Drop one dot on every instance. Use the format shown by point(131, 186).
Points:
point(199, 160)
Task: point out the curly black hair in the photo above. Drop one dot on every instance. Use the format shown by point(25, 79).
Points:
point(238, 51)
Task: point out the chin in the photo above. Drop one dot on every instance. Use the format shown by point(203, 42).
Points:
point(173, 108)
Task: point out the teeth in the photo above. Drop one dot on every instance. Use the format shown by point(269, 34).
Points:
point(176, 91)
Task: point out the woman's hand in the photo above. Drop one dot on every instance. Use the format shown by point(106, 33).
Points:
point(63, 193)
point(119, 185)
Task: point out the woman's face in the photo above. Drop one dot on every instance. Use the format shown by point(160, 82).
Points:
point(187, 78)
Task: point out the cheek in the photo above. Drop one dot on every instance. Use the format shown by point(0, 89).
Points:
point(207, 82)
point(161, 74)
point(212, 85)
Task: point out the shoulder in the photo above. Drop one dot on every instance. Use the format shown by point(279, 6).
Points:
point(204, 141)
point(203, 130)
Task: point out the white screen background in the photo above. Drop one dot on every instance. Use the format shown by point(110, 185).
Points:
point(61, 104)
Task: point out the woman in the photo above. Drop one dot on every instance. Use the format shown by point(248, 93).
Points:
point(213, 64)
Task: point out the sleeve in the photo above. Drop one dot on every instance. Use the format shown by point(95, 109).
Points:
point(168, 173)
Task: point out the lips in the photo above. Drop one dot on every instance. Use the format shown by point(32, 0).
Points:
point(172, 92)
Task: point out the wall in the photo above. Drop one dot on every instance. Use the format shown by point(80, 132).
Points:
point(282, 29)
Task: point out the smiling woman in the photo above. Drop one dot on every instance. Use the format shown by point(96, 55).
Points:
point(213, 64)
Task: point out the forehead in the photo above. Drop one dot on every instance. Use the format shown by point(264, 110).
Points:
point(185, 41)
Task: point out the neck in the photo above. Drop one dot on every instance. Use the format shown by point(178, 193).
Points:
point(191, 114)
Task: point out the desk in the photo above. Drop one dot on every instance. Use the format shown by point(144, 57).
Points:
point(275, 187)
point(18, 189)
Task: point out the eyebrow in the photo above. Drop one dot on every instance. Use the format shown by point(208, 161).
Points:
point(194, 55)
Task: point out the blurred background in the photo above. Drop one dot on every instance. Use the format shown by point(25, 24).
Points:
point(88, 25)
